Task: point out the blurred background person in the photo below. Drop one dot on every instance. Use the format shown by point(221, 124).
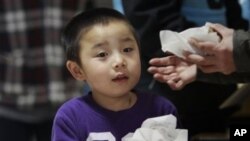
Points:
point(198, 103)
point(33, 78)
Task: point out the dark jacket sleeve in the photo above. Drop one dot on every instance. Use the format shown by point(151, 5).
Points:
point(241, 50)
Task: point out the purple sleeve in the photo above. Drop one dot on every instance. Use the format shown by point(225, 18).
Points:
point(63, 129)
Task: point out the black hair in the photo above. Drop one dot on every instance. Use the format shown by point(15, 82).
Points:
point(84, 21)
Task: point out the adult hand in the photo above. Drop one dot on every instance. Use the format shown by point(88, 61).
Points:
point(219, 57)
point(173, 70)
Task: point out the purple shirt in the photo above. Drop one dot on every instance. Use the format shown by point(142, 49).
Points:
point(80, 117)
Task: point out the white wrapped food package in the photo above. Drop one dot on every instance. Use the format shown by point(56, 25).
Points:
point(176, 43)
point(161, 128)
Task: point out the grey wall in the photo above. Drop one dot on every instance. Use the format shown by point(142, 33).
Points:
point(103, 3)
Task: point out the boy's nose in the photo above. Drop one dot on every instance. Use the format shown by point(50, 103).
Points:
point(119, 62)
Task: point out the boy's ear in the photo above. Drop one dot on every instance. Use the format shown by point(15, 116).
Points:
point(75, 70)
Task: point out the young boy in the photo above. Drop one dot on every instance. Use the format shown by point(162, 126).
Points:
point(102, 49)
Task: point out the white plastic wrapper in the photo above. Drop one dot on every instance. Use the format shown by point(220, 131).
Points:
point(176, 43)
point(161, 128)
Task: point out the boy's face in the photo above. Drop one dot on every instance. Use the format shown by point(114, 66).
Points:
point(110, 59)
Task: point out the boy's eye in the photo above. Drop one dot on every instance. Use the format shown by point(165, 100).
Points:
point(102, 54)
point(127, 49)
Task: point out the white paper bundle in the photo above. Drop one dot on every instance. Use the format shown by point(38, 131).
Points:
point(176, 43)
point(161, 128)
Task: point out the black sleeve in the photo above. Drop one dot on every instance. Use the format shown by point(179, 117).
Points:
point(241, 50)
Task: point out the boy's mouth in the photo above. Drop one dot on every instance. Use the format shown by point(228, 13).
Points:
point(120, 77)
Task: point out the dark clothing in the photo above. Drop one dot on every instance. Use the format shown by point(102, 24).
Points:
point(197, 102)
point(12, 130)
point(33, 77)
point(241, 51)
point(32, 64)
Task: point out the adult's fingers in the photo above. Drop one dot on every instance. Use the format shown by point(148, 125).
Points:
point(194, 58)
point(159, 77)
point(169, 60)
point(162, 70)
point(175, 84)
point(206, 47)
point(201, 60)
point(162, 78)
